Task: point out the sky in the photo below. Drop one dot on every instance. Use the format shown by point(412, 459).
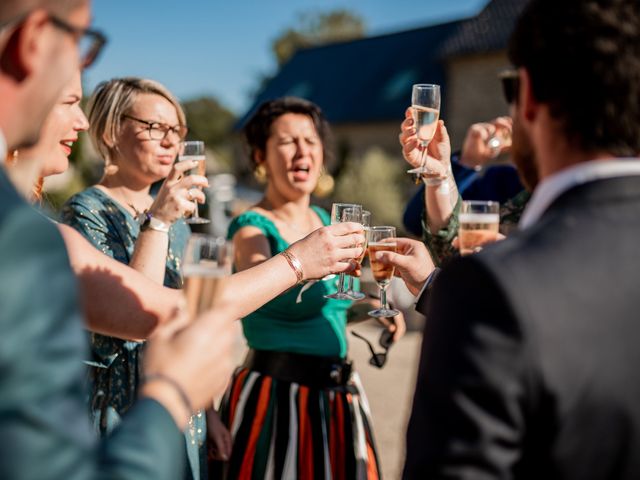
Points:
point(222, 47)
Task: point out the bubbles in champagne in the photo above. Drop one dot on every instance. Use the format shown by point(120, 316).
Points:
point(425, 121)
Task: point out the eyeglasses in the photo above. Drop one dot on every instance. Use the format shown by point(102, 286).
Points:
point(159, 131)
point(90, 42)
point(386, 340)
point(510, 85)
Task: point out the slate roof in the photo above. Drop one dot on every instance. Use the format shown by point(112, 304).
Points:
point(369, 79)
point(486, 32)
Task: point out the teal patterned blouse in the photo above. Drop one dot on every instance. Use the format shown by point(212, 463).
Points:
point(115, 367)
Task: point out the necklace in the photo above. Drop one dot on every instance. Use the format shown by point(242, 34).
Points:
point(137, 212)
point(292, 225)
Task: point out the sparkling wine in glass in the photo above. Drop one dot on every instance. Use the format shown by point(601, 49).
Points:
point(425, 105)
point(479, 224)
point(382, 239)
point(338, 211)
point(366, 222)
point(194, 151)
point(206, 264)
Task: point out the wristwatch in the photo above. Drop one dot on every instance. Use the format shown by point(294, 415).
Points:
point(149, 222)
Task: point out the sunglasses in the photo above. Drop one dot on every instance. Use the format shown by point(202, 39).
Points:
point(510, 85)
point(386, 340)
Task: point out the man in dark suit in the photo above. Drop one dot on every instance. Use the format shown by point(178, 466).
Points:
point(44, 427)
point(529, 360)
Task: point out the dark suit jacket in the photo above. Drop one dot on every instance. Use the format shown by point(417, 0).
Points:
point(44, 422)
point(529, 360)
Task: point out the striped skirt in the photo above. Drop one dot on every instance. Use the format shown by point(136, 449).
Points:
point(288, 431)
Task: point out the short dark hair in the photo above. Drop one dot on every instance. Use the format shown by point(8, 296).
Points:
point(583, 58)
point(258, 128)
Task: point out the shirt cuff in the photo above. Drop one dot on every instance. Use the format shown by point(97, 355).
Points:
point(427, 284)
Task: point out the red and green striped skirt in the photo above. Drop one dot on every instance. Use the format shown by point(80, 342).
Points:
point(285, 430)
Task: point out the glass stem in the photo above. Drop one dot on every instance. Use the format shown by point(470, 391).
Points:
point(195, 212)
point(423, 160)
point(341, 283)
point(383, 297)
point(350, 288)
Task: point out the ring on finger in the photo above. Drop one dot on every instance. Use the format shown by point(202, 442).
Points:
point(190, 195)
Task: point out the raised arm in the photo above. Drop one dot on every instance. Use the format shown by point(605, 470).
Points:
point(142, 304)
point(320, 253)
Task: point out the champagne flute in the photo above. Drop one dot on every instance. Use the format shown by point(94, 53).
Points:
point(366, 222)
point(425, 105)
point(382, 239)
point(205, 265)
point(337, 215)
point(194, 151)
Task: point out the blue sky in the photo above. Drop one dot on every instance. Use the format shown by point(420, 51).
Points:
point(221, 47)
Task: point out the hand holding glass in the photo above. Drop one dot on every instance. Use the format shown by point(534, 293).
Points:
point(382, 239)
point(479, 222)
point(194, 151)
point(425, 102)
point(344, 212)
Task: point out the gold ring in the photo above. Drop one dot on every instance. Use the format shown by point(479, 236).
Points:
point(189, 195)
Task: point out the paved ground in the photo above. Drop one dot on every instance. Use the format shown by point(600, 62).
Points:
point(390, 392)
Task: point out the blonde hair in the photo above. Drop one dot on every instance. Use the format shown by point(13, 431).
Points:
point(113, 99)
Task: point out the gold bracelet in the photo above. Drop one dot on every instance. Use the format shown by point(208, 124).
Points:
point(295, 265)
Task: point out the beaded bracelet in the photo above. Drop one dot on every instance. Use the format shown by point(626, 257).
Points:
point(167, 379)
point(295, 265)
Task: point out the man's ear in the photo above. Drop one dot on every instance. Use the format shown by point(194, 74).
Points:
point(26, 48)
point(528, 103)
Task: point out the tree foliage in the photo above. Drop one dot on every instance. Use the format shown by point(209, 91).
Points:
point(314, 29)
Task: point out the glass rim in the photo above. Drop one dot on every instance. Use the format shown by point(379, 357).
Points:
point(382, 227)
point(480, 202)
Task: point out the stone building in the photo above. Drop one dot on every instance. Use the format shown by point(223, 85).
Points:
point(364, 86)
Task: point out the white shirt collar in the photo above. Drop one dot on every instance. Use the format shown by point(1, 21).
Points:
point(555, 185)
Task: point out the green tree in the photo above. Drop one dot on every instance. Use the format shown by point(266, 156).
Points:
point(211, 122)
point(373, 181)
point(314, 29)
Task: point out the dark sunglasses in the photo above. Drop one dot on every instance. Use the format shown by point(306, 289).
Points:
point(510, 85)
point(386, 340)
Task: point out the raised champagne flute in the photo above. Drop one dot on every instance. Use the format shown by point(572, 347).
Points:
point(382, 239)
point(479, 224)
point(425, 106)
point(366, 222)
point(206, 263)
point(337, 216)
point(193, 150)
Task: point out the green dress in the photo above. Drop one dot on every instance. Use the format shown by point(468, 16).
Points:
point(297, 321)
point(115, 366)
point(284, 429)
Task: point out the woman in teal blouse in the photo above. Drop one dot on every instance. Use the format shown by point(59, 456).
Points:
point(137, 126)
point(294, 409)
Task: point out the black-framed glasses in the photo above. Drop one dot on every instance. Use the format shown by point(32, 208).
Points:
point(90, 42)
point(378, 359)
point(159, 131)
point(510, 81)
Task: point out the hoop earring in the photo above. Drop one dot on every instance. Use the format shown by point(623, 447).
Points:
point(260, 173)
point(325, 184)
point(13, 158)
